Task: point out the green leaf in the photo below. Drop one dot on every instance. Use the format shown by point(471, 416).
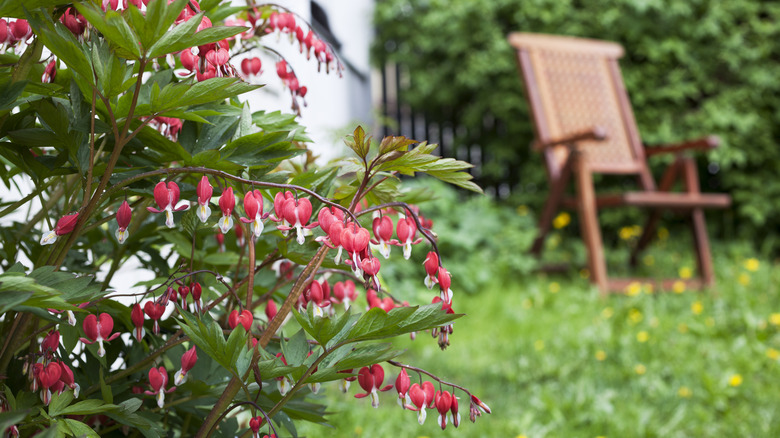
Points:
point(80, 429)
point(177, 39)
point(296, 348)
point(8, 419)
point(9, 93)
point(366, 355)
point(91, 406)
point(358, 142)
point(391, 144)
point(322, 329)
point(159, 17)
point(59, 402)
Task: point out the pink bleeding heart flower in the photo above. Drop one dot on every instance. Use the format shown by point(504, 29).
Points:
point(47, 377)
point(253, 206)
point(445, 280)
point(254, 424)
point(123, 217)
point(280, 199)
point(197, 291)
point(167, 197)
point(417, 395)
point(431, 265)
point(50, 343)
point(327, 216)
point(137, 316)
point(443, 402)
point(227, 203)
point(251, 66)
point(20, 29)
point(154, 311)
point(444, 331)
point(344, 292)
point(218, 57)
point(317, 295)
point(244, 318)
point(49, 73)
point(355, 239)
point(371, 267)
point(158, 380)
point(66, 377)
point(75, 22)
point(189, 60)
point(188, 360)
point(406, 231)
point(204, 191)
point(383, 234)
point(370, 379)
point(402, 386)
point(297, 213)
point(477, 408)
point(454, 411)
point(98, 329)
point(270, 310)
point(283, 383)
point(64, 226)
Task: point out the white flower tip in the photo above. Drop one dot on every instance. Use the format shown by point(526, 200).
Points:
point(374, 399)
point(169, 218)
point(179, 378)
point(384, 249)
point(407, 251)
point(204, 212)
point(122, 235)
point(161, 398)
point(300, 235)
point(49, 238)
point(421, 416)
point(225, 224)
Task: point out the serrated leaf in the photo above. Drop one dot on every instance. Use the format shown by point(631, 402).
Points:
point(91, 406)
point(366, 355)
point(114, 28)
point(358, 142)
point(80, 429)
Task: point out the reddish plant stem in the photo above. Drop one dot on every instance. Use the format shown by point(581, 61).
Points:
point(235, 384)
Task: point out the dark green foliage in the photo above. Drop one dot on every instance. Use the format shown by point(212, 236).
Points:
point(691, 69)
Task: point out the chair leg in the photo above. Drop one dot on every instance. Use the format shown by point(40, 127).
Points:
point(590, 226)
point(551, 207)
point(699, 225)
point(667, 181)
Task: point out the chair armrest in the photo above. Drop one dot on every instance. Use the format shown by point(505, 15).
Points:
point(594, 133)
point(700, 144)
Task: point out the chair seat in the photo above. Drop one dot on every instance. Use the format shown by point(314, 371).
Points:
point(677, 200)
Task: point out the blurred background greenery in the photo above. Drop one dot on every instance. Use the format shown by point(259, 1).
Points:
point(692, 68)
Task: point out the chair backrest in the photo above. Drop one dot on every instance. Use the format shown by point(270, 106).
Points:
point(572, 85)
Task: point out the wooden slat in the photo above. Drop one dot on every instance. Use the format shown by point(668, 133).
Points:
point(521, 40)
point(685, 201)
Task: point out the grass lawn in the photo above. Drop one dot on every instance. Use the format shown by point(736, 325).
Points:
point(553, 359)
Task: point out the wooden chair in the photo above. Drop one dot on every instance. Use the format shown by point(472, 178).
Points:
point(584, 125)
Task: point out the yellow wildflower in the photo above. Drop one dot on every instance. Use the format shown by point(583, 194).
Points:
point(607, 313)
point(561, 220)
point(522, 210)
point(663, 233)
point(684, 392)
point(527, 303)
point(601, 355)
point(697, 307)
point(584, 274)
point(685, 272)
point(774, 319)
point(625, 233)
point(743, 279)
point(772, 353)
point(649, 260)
point(635, 316)
point(735, 380)
point(640, 369)
point(554, 287)
point(678, 287)
point(751, 264)
point(642, 336)
point(539, 345)
point(682, 327)
point(633, 289)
